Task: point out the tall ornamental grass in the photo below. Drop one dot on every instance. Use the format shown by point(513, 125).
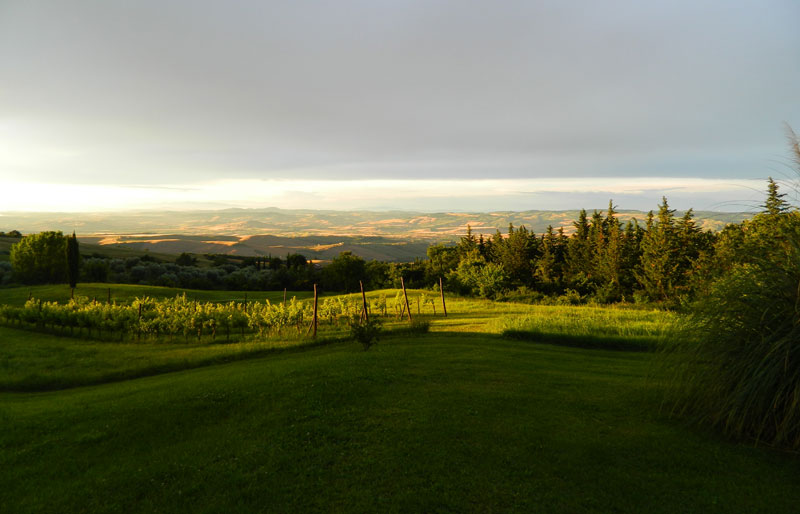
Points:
point(737, 364)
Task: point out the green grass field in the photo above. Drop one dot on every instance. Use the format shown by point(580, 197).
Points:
point(460, 419)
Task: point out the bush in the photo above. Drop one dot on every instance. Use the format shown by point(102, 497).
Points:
point(570, 297)
point(365, 332)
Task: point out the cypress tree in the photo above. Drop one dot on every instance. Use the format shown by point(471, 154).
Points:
point(73, 260)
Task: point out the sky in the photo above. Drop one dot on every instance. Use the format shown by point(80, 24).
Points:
point(417, 105)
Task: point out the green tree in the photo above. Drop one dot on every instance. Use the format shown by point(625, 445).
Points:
point(775, 204)
point(186, 259)
point(344, 272)
point(40, 258)
point(609, 260)
point(517, 254)
point(659, 272)
point(547, 265)
point(73, 260)
point(479, 277)
point(579, 253)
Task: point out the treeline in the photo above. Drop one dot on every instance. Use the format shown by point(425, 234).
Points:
point(665, 259)
point(250, 274)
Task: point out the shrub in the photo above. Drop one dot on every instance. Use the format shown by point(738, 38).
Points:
point(365, 332)
point(570, 297)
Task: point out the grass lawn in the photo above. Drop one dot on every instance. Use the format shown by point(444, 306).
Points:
point(437, 423)
point(457, 420)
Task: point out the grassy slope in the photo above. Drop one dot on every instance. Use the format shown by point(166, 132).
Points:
point(446, 423)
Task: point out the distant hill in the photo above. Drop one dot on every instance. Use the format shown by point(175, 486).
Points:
point(387, 235)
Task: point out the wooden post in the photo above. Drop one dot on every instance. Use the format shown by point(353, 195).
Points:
point(364, 301)
point(408, 309)
point(71, 293)
point(441, 290)
point(284, 295)
point(109, 296)
point(314, 321)
point(245, 303)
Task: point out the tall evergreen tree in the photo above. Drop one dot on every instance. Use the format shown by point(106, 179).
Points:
point(517, 255)
point(547, 266)
point(775, 204)
point(631, 255)
point(468, 243)
point(73, 260)
point(609, 258)
point(579, 253)
point(659, 272)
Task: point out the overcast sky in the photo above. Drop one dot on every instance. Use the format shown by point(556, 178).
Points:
point(200, 96)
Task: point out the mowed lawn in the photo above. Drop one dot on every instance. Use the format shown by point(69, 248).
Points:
point(444, 422)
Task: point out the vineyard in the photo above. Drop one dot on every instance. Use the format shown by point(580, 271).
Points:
point(179, 318)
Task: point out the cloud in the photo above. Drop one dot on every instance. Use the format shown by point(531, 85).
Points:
point(160, 93)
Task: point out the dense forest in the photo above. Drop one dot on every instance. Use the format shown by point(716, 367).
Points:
point(662, 259)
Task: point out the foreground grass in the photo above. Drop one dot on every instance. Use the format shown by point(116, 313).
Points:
point(124, 293)
point(440, 423)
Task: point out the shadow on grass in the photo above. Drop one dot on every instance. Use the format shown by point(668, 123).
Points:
point(628, 344)
point(40, 381)
point(37, 382)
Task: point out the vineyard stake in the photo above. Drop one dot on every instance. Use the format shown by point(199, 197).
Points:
point(314, 321)
point(365, 315)
point(109, 296)
point(284, 295)
point(408, 309)
point(441, 290)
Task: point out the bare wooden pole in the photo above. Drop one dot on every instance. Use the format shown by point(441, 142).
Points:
point(245, 303)
point(315, 312)
point(364, 301)
point(109, 296)
point(408, 309)
point(441, 290)
point(71, 294)
point(284, 295)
